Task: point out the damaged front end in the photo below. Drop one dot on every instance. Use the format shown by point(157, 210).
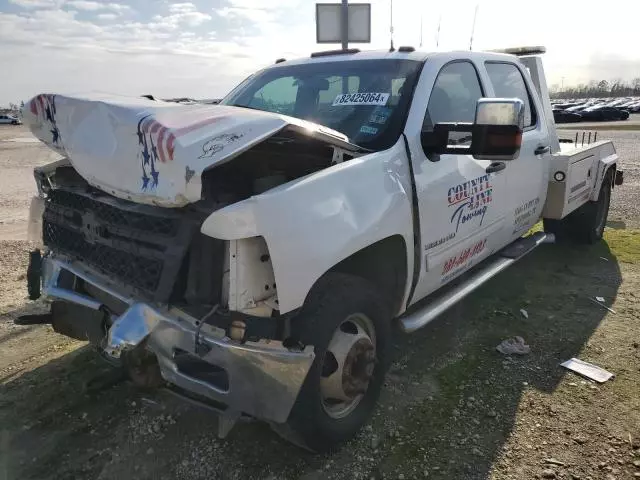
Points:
point(178, 308)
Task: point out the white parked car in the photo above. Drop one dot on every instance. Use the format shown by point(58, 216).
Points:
point(10, 120)
point(253, 255)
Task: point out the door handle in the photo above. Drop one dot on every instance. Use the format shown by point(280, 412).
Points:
point(496, 167)
point(541, 150)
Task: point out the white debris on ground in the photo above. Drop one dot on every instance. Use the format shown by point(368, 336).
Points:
point(514, 346)
point(588, 370)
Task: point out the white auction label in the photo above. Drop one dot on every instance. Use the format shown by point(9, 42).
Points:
point(361, 99)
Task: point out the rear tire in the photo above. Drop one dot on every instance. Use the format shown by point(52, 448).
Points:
point(585, 225)
point(342, 314)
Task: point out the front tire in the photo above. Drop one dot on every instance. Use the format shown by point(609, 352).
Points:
point(585, 225)
point(349, 326)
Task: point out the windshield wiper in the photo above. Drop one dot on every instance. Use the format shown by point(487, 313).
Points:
point(250, 108)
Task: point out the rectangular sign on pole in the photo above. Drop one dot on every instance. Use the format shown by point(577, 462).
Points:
point(329, 23)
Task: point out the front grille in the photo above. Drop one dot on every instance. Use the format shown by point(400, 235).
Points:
point(147, 223)
point(141, 246)
point(136, 271)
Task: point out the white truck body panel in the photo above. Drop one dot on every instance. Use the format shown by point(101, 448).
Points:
point(582, 170)
point(338, 211)
point(465, 213)
point(153, 152)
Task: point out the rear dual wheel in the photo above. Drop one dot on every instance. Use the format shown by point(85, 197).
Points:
point(348, 323)
point(587, 223)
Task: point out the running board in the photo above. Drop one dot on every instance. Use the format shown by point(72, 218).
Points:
point(507, 257)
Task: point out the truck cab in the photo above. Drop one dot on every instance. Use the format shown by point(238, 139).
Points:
point(254, 254)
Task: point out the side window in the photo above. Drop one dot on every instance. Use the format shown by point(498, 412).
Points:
point(276, 96)
point(454, 97)
point(508, 82)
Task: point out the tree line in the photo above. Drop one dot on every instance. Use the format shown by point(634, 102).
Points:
point(594, 89)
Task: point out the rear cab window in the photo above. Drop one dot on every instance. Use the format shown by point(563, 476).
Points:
point(508, 82)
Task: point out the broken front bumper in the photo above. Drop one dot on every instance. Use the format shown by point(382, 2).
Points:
point(261, 379)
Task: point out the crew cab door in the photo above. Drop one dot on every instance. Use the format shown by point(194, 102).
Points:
point(526, 176)
point(461, 206)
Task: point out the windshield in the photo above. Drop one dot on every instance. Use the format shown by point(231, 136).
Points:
point(367, 100)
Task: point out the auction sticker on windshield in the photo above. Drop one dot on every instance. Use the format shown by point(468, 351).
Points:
point(361, 99)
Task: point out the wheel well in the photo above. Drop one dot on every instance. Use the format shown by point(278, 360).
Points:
point(384, 264)
point(612, 170)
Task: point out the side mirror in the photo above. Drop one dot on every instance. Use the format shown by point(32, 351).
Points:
point(496, 133)
point(497, 130)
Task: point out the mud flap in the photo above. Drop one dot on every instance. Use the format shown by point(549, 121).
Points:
point(226, 421)
point(34, 271)
point(79, 322)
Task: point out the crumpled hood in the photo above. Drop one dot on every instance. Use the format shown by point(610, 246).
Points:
point(154, 152)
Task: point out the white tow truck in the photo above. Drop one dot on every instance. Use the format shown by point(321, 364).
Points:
point(253, 255)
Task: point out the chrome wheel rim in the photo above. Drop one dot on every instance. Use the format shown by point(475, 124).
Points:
point(348, 366)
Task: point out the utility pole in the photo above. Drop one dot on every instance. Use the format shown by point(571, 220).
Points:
point(438, 34)
point(420, 29)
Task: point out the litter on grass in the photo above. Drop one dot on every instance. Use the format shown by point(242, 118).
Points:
point(524, 313)
point(598, 302)
point(600, 299)
point(513, 346)
point(588, 370)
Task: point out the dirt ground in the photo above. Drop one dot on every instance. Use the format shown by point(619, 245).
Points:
point(452, 407)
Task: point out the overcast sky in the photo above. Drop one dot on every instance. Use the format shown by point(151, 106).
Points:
point(202, 48)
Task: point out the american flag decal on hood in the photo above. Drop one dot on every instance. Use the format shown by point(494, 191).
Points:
point(157, 144)
point(44, 107)
point(155, 152)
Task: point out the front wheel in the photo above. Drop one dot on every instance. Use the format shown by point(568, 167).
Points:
point(349, 326)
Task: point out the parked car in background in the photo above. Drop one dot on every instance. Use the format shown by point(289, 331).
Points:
point(9, 120)
point(599, 113)
point(562, 116)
